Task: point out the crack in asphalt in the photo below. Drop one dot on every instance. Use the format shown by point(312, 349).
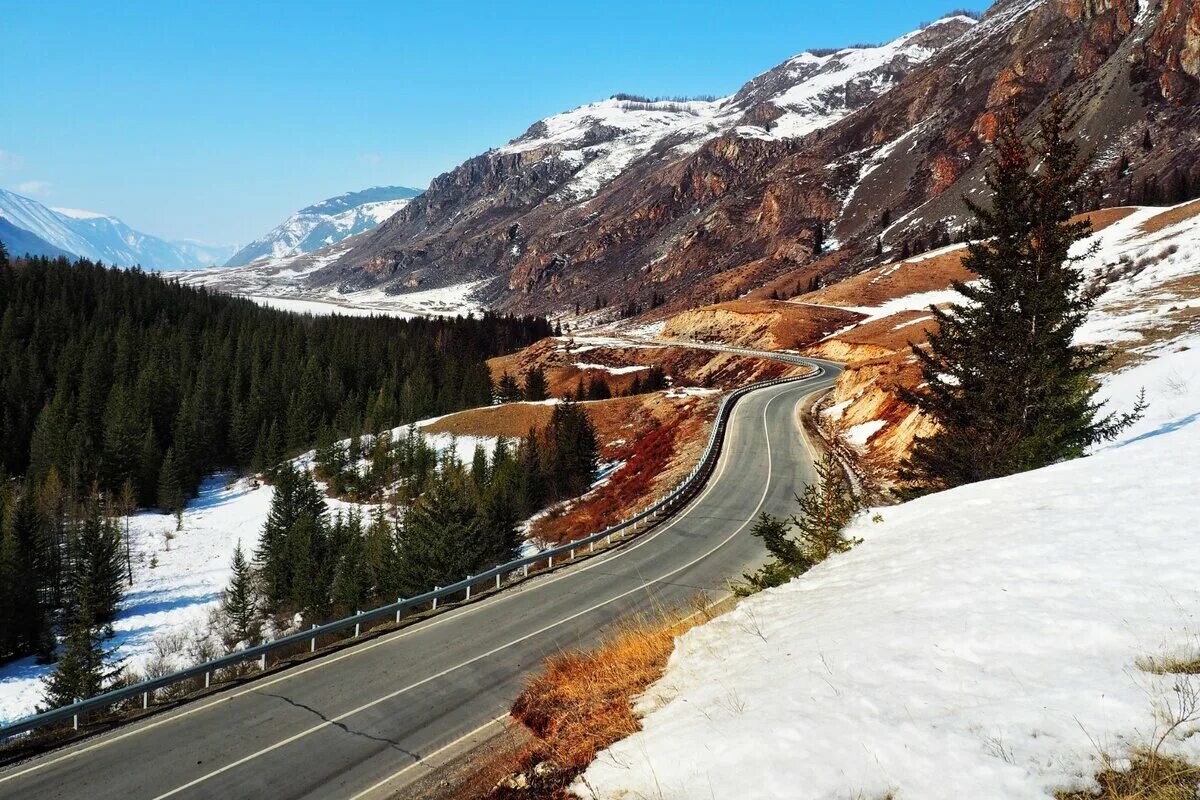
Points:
point(395, 745)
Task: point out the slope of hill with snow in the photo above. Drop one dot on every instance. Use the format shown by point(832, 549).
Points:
point(19, 241)
point(515, 208)
point(325, 223)
point(986, 642)
point(100, 237)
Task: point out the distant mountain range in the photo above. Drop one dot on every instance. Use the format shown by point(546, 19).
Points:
point(327, 222)
point(30, 227)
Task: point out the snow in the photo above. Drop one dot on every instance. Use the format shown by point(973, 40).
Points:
point(75, 213)
point(918, 301)
point(982, 642)
point(280, 283)
point(611, 370)
point(858, 435)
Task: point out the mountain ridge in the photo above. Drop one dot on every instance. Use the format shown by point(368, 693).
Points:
point(325, 223)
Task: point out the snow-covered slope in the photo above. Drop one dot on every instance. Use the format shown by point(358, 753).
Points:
point(985, 642)
point(200, 254)
point(114, 242)
point(100, 237)
point(802, 95)
point(326, 223)
point(43, 223)
point(19, 241)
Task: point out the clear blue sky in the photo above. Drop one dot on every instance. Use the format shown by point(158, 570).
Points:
point(214, 120)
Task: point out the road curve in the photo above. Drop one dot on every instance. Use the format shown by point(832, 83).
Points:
point(358, 723)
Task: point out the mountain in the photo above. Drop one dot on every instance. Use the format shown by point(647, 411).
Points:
point(326, 223)
point(52, 228)
point(200, 254)
point(517, 210)
point(19, 241)
point(803, 173)
point(98, 237)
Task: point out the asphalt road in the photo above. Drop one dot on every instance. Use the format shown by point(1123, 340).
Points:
point(364, 721)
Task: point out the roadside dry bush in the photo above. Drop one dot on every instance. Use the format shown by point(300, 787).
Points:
point(583, 702)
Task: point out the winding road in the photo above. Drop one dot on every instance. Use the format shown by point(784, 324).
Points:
point(368, 720)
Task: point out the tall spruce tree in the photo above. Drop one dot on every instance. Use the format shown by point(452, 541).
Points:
point(443, 539)
point(98, 579)
point(82, 669)
point(239, 605)
point(1003, 380)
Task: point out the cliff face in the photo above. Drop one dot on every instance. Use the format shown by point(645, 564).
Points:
point(702, 200)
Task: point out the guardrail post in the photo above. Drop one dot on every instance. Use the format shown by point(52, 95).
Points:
point(436, 589)
point(207, 679)
point(525, 569)
point(551, 565)
point(357, 625)
point(262, 663)
point(75, 721)
point(592, 546)
point(572, 553)
point(399, 600)
point(145, 700)
point(497, 580)
point(469, 587)
point(312, 644)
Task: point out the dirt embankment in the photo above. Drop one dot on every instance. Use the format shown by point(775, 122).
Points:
point(763, 324)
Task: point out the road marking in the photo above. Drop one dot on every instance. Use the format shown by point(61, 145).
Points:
point(392, 695)
point(326, 661)
point(424, 759)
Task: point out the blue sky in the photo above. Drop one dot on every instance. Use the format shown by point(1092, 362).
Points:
point(215, 120)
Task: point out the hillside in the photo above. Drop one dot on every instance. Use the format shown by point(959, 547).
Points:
point(325, 223)
point(1022, 665)
point(702, 200)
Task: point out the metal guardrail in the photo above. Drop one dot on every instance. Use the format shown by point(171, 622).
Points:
point(664, 506)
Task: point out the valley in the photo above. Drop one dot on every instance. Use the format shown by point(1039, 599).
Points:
point(869, 384)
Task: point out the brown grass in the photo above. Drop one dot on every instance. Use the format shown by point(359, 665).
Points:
point(1149, 777)
point(1172, 217)
point(583, 701)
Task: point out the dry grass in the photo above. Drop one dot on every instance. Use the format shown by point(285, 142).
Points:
point(583, 701)
point(1172, 217)
point(1148, 777)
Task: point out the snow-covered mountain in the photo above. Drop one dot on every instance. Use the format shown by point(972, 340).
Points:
point(804, 94)
point(605, 190)
point(200, 254)
point(101, 237)
point(326, 223)
point(19, 241)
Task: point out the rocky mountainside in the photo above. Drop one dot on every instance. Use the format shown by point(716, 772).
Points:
point(325, 223)
point(805, 172)
point(96, 236)
point(551, 209)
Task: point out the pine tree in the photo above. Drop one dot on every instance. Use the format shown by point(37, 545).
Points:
point(25, 593)
point(443, 539)
point(171, 498)
point(351, 587)
point(814, 533)
point(98, 581)
point(1004, 382)
point(575, 452)
point(239, 605)
point(535, 385)
point(82, 669)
